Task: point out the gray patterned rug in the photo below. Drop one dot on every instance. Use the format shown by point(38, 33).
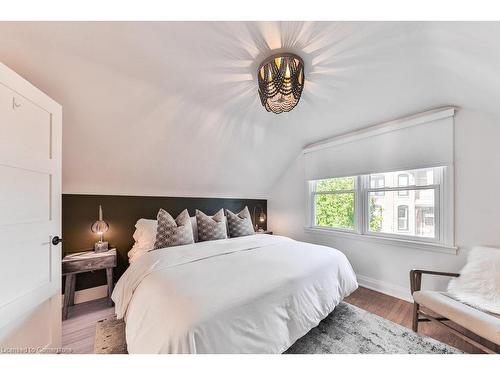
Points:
point(348, 329)
point(351, 330)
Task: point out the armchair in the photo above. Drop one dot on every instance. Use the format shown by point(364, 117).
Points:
point(443, 308)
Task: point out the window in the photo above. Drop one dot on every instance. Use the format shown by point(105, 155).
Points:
point(378, 182)
point(404, 204)
point(403, 181)
point(424, 221)
point(334, 202)
point(376, 217)
point(403, 218)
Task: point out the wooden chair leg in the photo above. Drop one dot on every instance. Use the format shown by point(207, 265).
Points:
point(414, 325)
point(459, 334)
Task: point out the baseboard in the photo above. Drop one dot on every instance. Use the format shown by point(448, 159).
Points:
point(90, 294)
point(385, 287)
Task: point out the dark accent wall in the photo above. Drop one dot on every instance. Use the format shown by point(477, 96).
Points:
point(121, 213)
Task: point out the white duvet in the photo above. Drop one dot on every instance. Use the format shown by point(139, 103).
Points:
point(254, 294)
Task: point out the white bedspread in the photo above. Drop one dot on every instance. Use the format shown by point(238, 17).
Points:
point(254, 294)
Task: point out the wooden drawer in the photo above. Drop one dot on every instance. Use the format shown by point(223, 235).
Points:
point(85, 265)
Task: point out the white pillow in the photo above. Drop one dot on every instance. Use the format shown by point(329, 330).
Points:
point(145, 237)
point(479, 281)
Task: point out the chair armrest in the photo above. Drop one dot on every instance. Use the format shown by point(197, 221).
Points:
point(416, 278)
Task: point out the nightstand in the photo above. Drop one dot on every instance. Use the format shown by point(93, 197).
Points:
point(86, 261)
point(264, 232)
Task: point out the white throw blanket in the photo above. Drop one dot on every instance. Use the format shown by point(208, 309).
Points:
point(254, 294)
point(479, 281)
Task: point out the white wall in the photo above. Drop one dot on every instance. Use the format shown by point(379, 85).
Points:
point(385, 267)
point(172, 108)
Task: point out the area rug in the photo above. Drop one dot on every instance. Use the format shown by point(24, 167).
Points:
point(351, 330)
point(347, 330)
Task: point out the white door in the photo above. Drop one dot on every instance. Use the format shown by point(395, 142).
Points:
point(30, 215)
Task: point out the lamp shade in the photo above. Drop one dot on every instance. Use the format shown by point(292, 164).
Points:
point(281, 80)
point(100, 226)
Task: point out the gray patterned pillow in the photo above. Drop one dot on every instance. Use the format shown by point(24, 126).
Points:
point(172, 232)
point(211, 228)
point(240, 224)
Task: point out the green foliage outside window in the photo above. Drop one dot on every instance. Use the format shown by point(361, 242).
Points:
point(337, 210)
point(375, 216)
point(332, 184)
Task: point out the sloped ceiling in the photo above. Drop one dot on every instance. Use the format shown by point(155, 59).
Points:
point(171, 108)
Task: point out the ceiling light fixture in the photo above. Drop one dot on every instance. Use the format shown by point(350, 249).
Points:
point(281, 80)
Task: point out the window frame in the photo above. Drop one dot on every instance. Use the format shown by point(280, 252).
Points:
point(405, 218)
point(380, 178)
point(407, 177)
point(424, 207)
point(313, 194)
point(437, 225)
point(443, 211)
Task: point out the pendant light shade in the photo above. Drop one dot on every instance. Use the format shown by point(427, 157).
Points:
point(281, 80)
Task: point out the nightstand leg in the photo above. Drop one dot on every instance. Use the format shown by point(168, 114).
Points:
point(67, 296)
point(109, 277)
point(72, 293)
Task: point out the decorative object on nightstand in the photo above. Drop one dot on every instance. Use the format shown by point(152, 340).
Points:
point(86, 261)
point(100, 227)
point(262, 218)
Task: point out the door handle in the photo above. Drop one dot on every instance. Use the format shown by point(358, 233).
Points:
point(56, 240)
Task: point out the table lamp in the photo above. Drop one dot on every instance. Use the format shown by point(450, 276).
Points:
point(100, 227)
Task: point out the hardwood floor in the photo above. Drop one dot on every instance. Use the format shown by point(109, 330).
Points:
point(79, 328)
point(400, 312)
point(78, 331)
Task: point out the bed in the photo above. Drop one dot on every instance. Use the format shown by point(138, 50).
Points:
point(252, 294)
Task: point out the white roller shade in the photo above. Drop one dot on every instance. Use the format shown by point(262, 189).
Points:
point(422, 140)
